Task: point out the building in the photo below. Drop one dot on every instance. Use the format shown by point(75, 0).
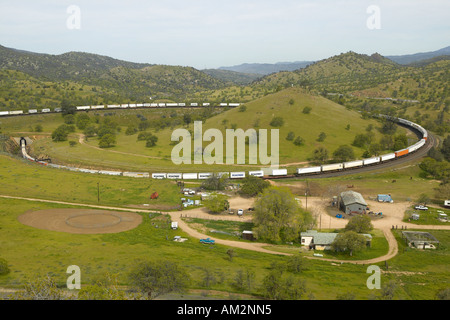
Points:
point(352, 202)
point(323, 240)
point(248, 235)
point(420, 240)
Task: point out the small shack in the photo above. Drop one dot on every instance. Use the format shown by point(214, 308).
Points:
point(352, 202)
point(420, 240)
point(384, 198)
point(248, 235)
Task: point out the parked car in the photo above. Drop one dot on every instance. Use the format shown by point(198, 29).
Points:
point(207, 240)
point(421, 207)
point(240, 212)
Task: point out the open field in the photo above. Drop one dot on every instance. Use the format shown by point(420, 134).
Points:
point(31, 251)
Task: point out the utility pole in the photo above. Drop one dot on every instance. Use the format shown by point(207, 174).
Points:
point(98, 191)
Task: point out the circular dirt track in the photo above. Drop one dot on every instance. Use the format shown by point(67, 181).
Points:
point(81, 221)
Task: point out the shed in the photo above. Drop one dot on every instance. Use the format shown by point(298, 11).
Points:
point(384, 198)
point(248, 235)
point(420, 240)
point(352, 202)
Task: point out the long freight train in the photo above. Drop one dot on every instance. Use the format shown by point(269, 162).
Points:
point(273, 173)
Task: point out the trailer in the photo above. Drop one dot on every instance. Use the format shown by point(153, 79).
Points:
point(332, 167)
point(158, 175)
point(401, 153)
point(80, 108)
point(174, 225)
point(206, 104)
point(371, 161)
point(204, 176)
point(190, 176)
point(353, 164)
point(136, 174)
point(256, 173)
point(279, 172)
point(237, 175)
point(98, 107)
point(32, 111)
point(110, 173)
point(4, 113)
point(309, 170)
point(174, 176)
point(387, 157)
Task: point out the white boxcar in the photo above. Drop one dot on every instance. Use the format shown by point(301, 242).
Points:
point(111, 173)
point(371, 160)
point(416, 146)
point(158, 175)
point(309, 170)
point(16, 112)
point(4, 113)
point(190, 176)
point(182, 104)
point(153, 105)
point(353, 164)
point(172, 105)
point(58, 109)
point(206, 104)
point(237, 175)
point(98, 107)
point(279, 172)
point(45, 110)
point(133, 105)
point(125, 105)
point(234, 104)
point(224, 104)
point(204, 175)
point(32, 111)
point(194, 104)
point(140, 105)
point(136, 174)
point(174, 176)
point(147, 104)
point(332, 167)
point(256, 173)
point(387, 157)
point(80, 108)
point(161, 104)
point(113, 106)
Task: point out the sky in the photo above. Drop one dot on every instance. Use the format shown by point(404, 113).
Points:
point(210, 34)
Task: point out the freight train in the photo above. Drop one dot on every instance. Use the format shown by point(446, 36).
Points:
point(268, 173)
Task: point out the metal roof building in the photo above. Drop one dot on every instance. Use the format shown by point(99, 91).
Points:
point(323, 240)
point(352, 202)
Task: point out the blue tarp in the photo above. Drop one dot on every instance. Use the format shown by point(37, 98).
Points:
point(384, 198)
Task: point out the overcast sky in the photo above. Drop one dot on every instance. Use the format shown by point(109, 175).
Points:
point(210, 34)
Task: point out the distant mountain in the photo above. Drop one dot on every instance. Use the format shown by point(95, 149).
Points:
point(234, 77)
point(410, 58)
point(128, 80)
point(267, 68)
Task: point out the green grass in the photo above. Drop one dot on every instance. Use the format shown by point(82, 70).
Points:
point(228, 230)
point(22, 178)
point(427, 217)
point(31, 252)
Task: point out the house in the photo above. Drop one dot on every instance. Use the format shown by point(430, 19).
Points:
point(384, 198)
point(323, 240)
point(352, 202)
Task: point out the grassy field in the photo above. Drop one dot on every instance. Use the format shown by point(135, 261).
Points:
point(22, 178)
point(33, 252)
point(427, 217)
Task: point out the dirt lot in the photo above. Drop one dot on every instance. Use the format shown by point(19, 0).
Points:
point(81, 221)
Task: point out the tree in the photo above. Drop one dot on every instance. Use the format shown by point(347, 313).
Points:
point(217, 203)
point(131, 130)
point(3, 267)
point(295, 263)
point(215, 182)
point(290, 136)
point(66, 108)
point(277, 286)
point(278, 217)
point(299, 141)
point(60, 133)
point(72, 143)
point(155, 278)
point(43, 288)
point(388, 290)
point(90, 131)
point(307, 110)
point(151, 141)
point(400, 142)
point(105, 288)
point(350, 241)
point(362, 140)
point(252, 186)
point(320, 154)
point(107, 141)
point(38, 128)
point(277, 122)
point(424, 199)
point(82, 121)
point(321, 137)
point(359, 224)
point(445, 149)
point(231, 254)
point(244, 279)
point(69, 119)
point(344, 153)
point(187, 118)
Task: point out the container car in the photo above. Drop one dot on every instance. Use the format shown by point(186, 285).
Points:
point(332, 167)
point(309, 170)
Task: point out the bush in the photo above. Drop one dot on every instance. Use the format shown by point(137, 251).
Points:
point(344, 153)
point(290, 136)
point(3, 267)
point(107, 141)
point(277, 122)
point(299, 141)
point(307, 110)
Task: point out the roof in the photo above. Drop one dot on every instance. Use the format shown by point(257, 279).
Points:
point(384, 197)
point(350, 197)
point(325, 238)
